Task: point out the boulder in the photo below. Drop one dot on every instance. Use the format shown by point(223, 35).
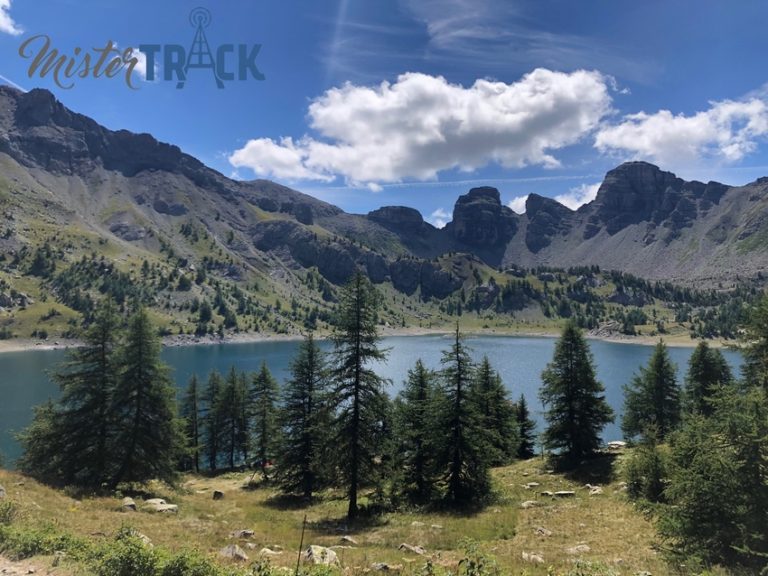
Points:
point(541, 531)
point(565, 494)
point(320, 555)
point(129, 505)
point(529, 504)
point(384, 567)
point(268, 552)
point(348, 540)
point(242, 534)
point(532, 558)
point(218, 495)
point(411, 548)
point(2, 492)
point(160, 505)
point(234, 552)
point(578, 549)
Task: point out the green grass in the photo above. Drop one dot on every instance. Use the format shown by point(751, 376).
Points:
point(619, 537)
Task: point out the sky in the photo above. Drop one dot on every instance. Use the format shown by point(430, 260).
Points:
point(366, 103)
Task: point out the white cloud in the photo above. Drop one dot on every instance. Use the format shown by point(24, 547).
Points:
point(578, 196)
point(439, 218)
point(421, 125)
point(518, 204)
point(284, 159)
point(726, 132)
point(7, 24)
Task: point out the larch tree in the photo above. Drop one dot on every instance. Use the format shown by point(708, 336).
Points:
point(464, 451)
point(264, 399)
point(574, 400)
point(211, 419)
point(149, 439)
point(497, 414)
point(190, 415)
point(358, 392)
point(652, 399)
point(304, 421)
point(417, 433)
point(708, 373)
point(526, 429)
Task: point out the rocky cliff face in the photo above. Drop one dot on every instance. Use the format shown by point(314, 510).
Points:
point(481, 221)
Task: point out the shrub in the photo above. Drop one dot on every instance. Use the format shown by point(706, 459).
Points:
point(189, 563)
point(645, 473)
point(128, 556)
point(9, 511)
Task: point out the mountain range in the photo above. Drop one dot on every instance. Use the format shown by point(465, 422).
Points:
point(66, 180)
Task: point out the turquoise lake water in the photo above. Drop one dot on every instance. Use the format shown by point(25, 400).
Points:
point(25, 381)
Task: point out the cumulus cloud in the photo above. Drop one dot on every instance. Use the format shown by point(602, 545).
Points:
point(7, 24)
point(439, 218)
point(517, 204)
point(421, 125)
point(726, 132)
point(578, 196)
point(283, 159)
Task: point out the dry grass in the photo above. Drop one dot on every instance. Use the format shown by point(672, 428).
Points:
point(619, 538)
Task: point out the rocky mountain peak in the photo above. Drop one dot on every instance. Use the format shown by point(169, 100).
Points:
point(480, 220)
point(637, 192)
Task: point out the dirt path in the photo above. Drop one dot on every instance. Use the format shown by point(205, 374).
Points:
point(10, 568)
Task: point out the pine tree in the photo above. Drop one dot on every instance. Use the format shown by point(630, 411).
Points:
point(211, 419)
point(358, 394)
point(526, 430)
point(304, 422)
point(149, 438)
point(465, 454)
point(573, 398)
point(190, 414)
point(264, 397)
point(497, 414)
point(652, 400)
point(708, 372)
point(417, 432)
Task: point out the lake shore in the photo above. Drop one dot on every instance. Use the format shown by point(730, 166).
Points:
point(678, 340)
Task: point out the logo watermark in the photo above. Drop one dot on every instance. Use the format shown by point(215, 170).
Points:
point(227, 63)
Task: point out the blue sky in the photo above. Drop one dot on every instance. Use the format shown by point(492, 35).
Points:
point(374, 102)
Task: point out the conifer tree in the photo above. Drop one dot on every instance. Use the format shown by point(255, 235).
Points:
point(211, 419)
point(84, 418)
point(43, 443)
point(232, 405)
point(264, 397)
point(575, 406)
point(652, 400)
point(358, 392)
point(417, 434)
point(497, 414)
point(304, 421)
point(464, 453)
point(755, 351)
point(708, 372)
point(149, 439)
point(190, 414)
point(526, 429)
